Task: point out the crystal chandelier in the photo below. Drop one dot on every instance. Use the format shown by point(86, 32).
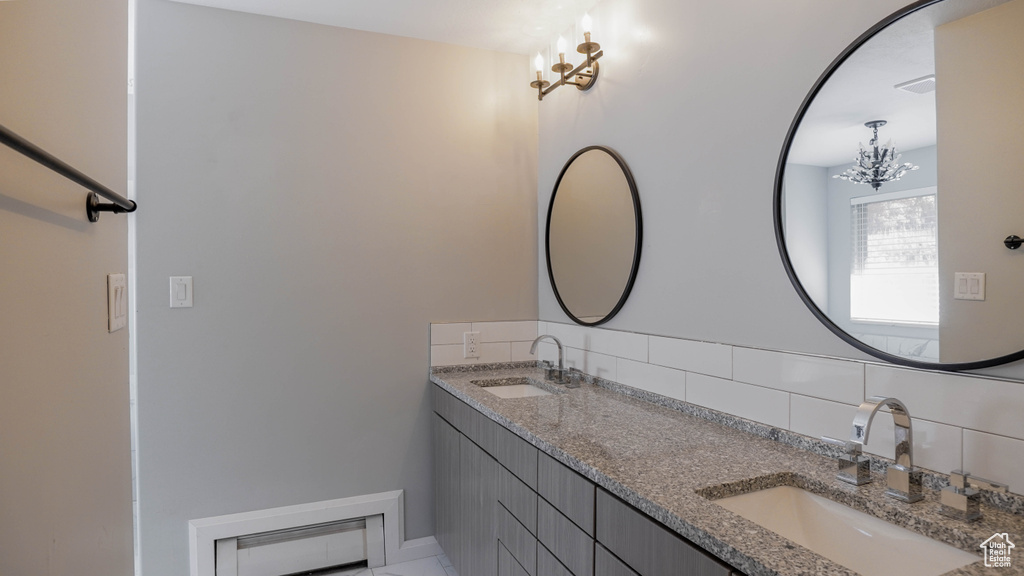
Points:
point(878, 164)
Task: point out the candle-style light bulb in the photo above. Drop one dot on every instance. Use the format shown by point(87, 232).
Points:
point(561, 45)
point(587, 24)
point(538, 62)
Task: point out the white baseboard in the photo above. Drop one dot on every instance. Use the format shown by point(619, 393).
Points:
point(204, 532)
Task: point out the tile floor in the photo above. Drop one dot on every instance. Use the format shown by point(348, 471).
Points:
point(432, 566)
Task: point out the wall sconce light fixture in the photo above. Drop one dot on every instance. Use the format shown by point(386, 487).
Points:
point(583, 77)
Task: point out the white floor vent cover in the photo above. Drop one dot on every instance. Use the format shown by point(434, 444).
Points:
point(303, 549)
point(366, 530)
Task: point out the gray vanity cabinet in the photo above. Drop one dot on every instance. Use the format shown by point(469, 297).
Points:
point(645, 546)
point(506, 509)
point(481, 471)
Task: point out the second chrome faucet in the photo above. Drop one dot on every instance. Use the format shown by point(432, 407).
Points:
point(902, 479)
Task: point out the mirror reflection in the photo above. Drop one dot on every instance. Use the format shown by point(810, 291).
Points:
point(906, 255)
point(593, 235)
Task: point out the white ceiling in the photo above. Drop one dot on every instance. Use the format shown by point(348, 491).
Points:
point(862, 89)
point(517, 26)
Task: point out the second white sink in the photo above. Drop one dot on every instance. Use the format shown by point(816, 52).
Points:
point(511, 387)
point(858, 541)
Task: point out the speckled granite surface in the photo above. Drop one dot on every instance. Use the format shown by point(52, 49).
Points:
point(672, 462)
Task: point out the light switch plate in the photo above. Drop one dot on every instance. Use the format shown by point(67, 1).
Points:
point(969, 286)
point(117, 302)
point(181, 291)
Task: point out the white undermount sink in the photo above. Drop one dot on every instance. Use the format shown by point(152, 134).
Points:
point(517, 387)
point(858, 541)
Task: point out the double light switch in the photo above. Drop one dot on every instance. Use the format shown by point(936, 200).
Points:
point(969, 286)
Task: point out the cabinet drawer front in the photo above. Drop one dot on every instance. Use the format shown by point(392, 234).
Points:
point(517, 539)
point(480, 429)
point(605, 564)
point(548, 565)
point(518, 455)
point(570, 493)
point(450, 408)
point(518, 499)
point(646, 546)
point(572, 546)
point(507, 565)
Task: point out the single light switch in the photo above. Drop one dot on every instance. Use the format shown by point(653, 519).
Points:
point(969, 286)
point(181, 291)
point(117, 302)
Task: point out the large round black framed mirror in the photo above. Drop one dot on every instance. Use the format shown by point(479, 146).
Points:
point(594, 233)
point(897, 246)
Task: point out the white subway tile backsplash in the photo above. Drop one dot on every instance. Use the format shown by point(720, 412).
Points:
point(815, 417)
point(449, 333)
point(936, 446)
point(452, 354)
point(518, 331)
point(837, 380)
point(700, 357)
point(594, 364)
point(521, 352)
point(960, 421)
point(996, 458)
point(744, 400)
point(982, 404)
point(658, 379)
point(569, 335)
point(614, 343)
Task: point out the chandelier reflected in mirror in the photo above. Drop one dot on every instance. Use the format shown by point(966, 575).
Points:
point(876, 164)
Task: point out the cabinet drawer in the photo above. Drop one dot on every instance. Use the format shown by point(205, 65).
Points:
point(517, 539)
point(450, 408)
point(548, 565)
point(480, 429)
point(646, 546)
point(572, 546)
point(570, 493)
point(507, 565)
point(518, 499)
point(516, 454)
point(605, 564)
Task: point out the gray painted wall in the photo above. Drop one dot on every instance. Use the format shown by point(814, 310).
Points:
point(697, 97)
point(65, 452)
point(331, 192)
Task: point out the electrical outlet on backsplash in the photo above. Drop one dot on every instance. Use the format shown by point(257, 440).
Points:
point(960, 420)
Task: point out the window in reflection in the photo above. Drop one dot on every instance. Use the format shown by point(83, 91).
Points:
point(894, 277)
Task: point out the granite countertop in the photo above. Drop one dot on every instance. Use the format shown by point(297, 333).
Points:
point(661, 459)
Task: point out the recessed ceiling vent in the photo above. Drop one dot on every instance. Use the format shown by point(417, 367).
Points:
point(922, 85)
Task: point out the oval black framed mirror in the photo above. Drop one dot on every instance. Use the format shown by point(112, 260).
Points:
point(593, 236)
point(904, 257)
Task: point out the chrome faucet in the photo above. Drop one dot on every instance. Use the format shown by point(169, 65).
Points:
point(903, 481)
point(557, 375)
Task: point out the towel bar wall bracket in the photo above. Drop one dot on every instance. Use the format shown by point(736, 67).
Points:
point(93, 207)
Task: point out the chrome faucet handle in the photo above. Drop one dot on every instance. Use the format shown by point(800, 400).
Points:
point(575, 375)
point(961, 500)
point(854, 468)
